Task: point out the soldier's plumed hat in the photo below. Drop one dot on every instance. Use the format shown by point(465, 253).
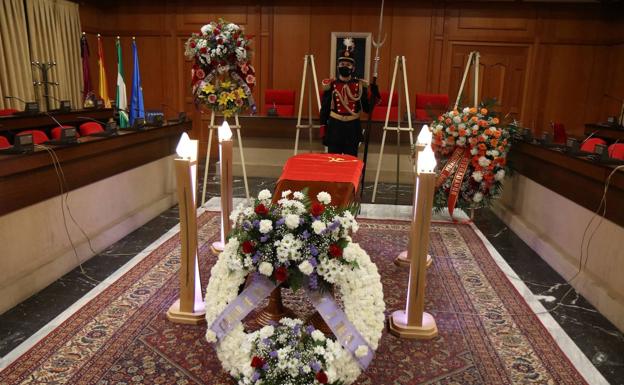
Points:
point(347, 54)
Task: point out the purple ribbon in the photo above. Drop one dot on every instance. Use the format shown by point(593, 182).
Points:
point(347, 334)
point(259, 288)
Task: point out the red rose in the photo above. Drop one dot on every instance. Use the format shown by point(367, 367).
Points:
point(281, 274)
point(216, 31)
point(335, 251)
point(321, 377)
point(257, 362)
point(220, 41)
point(193, 45)
point(317, 209)
point(203, 50)
point(261, 209)
point(248, 247)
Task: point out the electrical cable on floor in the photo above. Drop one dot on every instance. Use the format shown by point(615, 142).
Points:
point(64, 194)
point(582, 261)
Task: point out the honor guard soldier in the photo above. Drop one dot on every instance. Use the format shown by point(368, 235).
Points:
point(343, 100)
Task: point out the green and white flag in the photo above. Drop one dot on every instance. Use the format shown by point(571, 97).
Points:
point(121, 99)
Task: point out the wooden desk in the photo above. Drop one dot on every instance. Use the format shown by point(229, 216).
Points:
point(43, 121)
point(577, 179)
point(605, 131)
point(30, 178)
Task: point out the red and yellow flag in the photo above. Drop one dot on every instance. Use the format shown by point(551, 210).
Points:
point(103, 90)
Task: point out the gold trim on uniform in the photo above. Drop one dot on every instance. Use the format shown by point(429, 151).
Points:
point(344, 118)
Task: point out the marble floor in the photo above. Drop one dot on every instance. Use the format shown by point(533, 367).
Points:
point(596, 337)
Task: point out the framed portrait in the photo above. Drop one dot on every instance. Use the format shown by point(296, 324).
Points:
point(361, 53)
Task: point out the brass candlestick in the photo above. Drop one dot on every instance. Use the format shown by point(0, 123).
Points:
point(414, 322)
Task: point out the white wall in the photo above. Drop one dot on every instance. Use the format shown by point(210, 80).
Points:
point(553, 227)
point(34, 248)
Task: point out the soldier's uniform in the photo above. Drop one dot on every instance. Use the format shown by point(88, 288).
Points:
point(340, 114)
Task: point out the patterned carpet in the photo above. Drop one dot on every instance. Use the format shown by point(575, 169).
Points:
point(488, 334)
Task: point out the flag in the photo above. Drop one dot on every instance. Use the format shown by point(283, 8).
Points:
point(137, 109)
point(87, 87)
point(103, 84)
point(121, 100)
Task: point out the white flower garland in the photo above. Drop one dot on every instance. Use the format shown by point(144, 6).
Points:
point(362, 296)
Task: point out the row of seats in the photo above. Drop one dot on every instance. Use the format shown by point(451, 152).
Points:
point(615, 151)
point(427, 105)
point(39, 136)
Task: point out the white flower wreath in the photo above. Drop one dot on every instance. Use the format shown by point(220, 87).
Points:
point(361, 291)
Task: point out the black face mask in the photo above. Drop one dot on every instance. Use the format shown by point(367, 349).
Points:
point(344, 71)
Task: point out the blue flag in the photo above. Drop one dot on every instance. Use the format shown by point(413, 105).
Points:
point(137, 109)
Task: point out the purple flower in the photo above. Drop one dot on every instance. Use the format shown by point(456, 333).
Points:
point(280, 222)
point(313, 261)
point(264, 238)
point(310, 329)
point(256, 223)
point(313, 250)
point(256, 257)
point(247, 225)
point(255, 376)
point(313, 281)
point(272, 323)
point(305, 234)
point(273, 353)
point(297, 329)
point(265, 367)
point(266, 341)
point(297, 355)
point(333, 226)
point(301, 221)
point(315, 366)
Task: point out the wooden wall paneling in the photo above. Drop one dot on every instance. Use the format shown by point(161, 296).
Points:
point(265, 47)
point(291, 41)
point(436, 46)
point(500, 23)
point(411, 31)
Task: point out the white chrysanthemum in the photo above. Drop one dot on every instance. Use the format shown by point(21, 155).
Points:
point(298, 195)
point(466, 110)
point(286, 193)
point(500, 175)
point(292, 221)
point(323, 197)
point(306, 267)
point(457, 119)
point(318, 227)
point(265, 268)
point(461, 141)
point(361, 351)
point(267, 331)
point(477, 176)
point(206, 29)
point(474, 151)
point(484, 162)
point(266, 225)
point(477, 197)
point(318, 335)
point(264, 194)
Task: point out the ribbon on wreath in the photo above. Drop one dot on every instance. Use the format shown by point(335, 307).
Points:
point(460, 160)
point(346, 333)
point(259, 288)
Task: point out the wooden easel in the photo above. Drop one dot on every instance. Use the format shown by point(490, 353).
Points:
point(399, 62)
point(473, 59)
point(212, 127)
point(312, 81)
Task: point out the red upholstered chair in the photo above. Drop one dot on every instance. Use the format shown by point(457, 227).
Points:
point(430, 104)
point(616, 151)
point(559, 133)
point(38, 136)
point(8, 112)
point(56, 132)
point(589, 144)
point(379, 113)
point(90, 128)
point(283, 100)
point(4, 143)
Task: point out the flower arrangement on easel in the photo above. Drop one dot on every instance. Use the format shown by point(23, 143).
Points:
point(222, 75)
point(471, 146)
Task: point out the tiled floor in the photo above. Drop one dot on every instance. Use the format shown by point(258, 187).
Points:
point(599, 340)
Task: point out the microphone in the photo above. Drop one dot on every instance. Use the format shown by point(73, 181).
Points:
point(30, 108)
point(589, 136)
point(68, 133)
point(65, 105)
